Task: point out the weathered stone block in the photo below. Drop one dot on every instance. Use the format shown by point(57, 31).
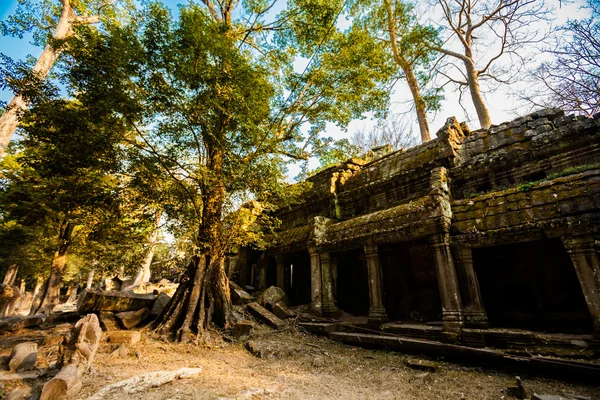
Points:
point(243, 328)
point(265, 315)
point(282, 311)
point(240, 297)
point(159, 304)
point(127, 337)
point(131, 319)
point(98, 300)
point(271, 296)
point(23, 357)
point(108, 321)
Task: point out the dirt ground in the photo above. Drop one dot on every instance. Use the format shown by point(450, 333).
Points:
point(298, 366)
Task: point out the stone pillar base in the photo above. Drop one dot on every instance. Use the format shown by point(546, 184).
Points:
point(377, 316)
point(331, 311)
point(476, 320)
point(453, 322)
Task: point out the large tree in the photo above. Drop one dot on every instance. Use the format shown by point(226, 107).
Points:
point(51, 24)
point(491, 40)
point(61, 182)
point(217, 101)
point(407, 44)
point(571, 78)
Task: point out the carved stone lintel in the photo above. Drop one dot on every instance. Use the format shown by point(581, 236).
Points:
point(316, 301)
point(452, 310)
point(586, 263)
point(377, 313)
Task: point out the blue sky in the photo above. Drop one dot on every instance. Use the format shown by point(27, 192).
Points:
point(499, 101)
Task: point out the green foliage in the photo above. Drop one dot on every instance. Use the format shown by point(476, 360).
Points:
point(415, 40)
point(64, 171)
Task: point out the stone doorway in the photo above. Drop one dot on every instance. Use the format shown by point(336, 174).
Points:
point(531, 285)
point(409, 280)
point(296, 278)
point(352, 284)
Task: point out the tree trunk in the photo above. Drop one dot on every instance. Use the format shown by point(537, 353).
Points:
point(10, 119)
point(203, 293)
point(473, 80)
point(144, 273)
point(11, 274)
point(90, 279)
point(409, 74)
point(420, 106)
point(51, 294)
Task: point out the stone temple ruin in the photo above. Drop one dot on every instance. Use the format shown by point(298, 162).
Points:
point(485, 229)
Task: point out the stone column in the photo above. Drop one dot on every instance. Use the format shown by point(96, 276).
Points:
point(333, 264)
point(280, 271)
point(377, 312)
point(315, 281)
point(473, 310)
point(329, 307)
point(452, 315)
point(263, 263)
point(585, 260)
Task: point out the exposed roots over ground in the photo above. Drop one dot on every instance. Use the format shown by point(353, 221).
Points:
point(201, 300)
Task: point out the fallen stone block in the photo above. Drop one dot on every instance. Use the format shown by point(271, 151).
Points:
point(424, 365)
point(120, 352)
point(550, 397)
point(70, 317)
point(18, 376)
point(98, 300)
point(108, 321)
point(517, 391)
point(282, 311)
point(265, 315)
point(271, 296)
point(23, 357)
point(127, 337)
point(12, 324)
point(240, 297)
point(243, 328)
point(159, 304)
point(131, 319)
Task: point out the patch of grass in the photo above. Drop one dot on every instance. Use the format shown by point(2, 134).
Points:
point(574, 170)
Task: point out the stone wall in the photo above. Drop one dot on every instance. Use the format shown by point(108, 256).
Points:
point(513, 181)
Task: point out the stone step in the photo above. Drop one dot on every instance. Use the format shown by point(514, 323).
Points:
point(577, 370)
point(430, 332)
point(319, 328)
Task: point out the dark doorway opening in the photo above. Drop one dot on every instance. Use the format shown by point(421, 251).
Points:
point(531, 285)
point(248, 272)
point(410, 285)
point(297, 278)
point(272, 272)
point(352, 284)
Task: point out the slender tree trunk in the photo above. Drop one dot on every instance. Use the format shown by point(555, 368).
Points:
point(144, 273)
point(11, 275)
point(10, 119)
point(411, 79)
point(51, 295)
point(90, 279)
point(473, 79)
point(420, 106)
point(203, 293)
